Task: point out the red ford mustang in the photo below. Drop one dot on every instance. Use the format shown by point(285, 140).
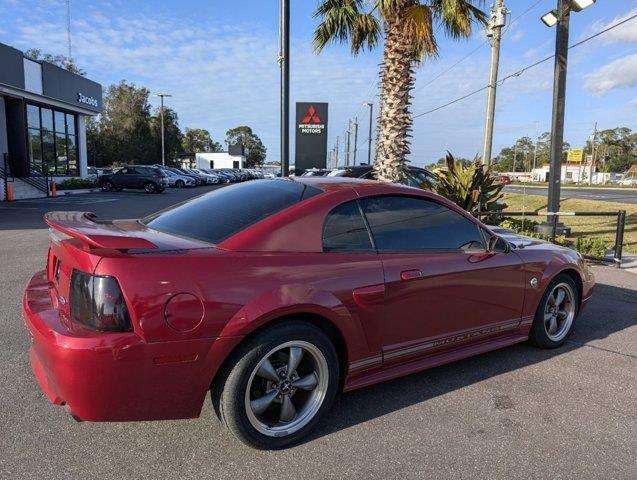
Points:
point(276, 294)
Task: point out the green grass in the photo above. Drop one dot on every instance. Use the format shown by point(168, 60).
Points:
point(574, 185)
point(583, 227)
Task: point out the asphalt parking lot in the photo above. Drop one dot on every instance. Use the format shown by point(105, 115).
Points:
point(518, 412)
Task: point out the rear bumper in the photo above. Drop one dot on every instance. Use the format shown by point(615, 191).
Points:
point(116, 376)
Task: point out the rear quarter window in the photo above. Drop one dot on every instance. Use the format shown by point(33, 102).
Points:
point(217, 215)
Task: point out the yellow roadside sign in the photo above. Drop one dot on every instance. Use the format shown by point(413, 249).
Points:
point(575, 155)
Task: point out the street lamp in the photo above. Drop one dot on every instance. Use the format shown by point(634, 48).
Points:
point(559, 18)
point(369, 140)
point(161, 114)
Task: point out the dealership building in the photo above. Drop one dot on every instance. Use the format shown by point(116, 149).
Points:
point(43, 112)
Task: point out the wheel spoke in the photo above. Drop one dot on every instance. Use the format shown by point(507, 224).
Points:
point(560, 294)
point(562, 313)
point(547, 317)
point(309, 382)
point(288, 412)
point(552, 298)
point(266, 370)
point(296, 354)
point(552, 326)
point(259, 405)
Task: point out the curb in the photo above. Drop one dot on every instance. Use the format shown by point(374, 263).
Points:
point(78, 191)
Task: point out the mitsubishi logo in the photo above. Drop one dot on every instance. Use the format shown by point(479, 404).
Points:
point(311, 116)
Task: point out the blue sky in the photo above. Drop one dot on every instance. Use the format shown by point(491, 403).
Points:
point(218, 59)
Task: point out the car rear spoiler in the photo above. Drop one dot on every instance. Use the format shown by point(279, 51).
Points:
point(83, 226)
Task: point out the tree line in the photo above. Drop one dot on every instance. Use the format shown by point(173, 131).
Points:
point(128, 131)
point(615, 151)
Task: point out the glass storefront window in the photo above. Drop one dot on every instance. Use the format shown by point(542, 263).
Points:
point(33, 116)
point(70, 123)
point(35, 146)
point(47, 119)
point(52, 140)
point(72, 151)
point(60, 123)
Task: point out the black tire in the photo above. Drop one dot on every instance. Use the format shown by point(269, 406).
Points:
point(150, 187)
point(118, 189)
point(180, 184)
point(229, 389)
point(160, 190)
point(539, 335)
point(106, 186)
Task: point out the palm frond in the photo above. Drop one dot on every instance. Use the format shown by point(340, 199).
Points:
point(458, 16)
point(366, 33)
point(418, 24)
point(340, 20)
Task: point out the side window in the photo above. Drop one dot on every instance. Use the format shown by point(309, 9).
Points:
point(401, 224)
point(345, 230)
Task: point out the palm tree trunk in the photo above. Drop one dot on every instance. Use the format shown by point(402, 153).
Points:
point(394, 124)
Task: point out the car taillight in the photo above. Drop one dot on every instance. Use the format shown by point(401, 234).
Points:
point(97, 303)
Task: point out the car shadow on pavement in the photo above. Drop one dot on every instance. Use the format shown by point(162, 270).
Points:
point(611, 310)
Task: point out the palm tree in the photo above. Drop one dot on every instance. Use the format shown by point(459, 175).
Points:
point(408, 29)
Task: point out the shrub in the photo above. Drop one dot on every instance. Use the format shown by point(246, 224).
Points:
point(76, 184)
point(472, 187)
point(594, 247)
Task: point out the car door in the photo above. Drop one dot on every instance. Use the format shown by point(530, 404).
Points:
point(443, 289)
point(122, 177)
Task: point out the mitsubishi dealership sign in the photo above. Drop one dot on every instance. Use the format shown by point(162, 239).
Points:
point(311, 136)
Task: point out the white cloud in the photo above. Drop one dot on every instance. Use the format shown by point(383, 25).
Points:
point(620, 73)
point(219, 76)
point(624, 33)
point(633, 102)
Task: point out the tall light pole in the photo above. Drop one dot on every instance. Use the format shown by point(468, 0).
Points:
point(560, 18)
point(161, 114)
point(369, 140)
point(355, 139)
point(494, 30)
point(284, 63)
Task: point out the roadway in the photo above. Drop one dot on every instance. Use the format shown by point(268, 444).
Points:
point(617, 195)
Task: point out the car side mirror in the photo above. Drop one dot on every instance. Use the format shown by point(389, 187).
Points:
point(499, 245)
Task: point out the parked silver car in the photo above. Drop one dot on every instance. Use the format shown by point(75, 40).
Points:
point(179, 181)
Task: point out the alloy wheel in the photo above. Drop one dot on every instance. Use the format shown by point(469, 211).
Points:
point(149, 187)
point(286, 388)
point(559, 311)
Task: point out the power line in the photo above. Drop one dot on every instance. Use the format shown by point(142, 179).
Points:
point(477, 48)
point(523, 70)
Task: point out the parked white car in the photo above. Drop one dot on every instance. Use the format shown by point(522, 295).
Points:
point(179, 181)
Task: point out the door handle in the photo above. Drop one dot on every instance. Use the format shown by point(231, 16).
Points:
point(410, 274)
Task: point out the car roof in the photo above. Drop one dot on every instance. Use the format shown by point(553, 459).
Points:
point(360, 185)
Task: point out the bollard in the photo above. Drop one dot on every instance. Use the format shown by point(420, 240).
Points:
point(54, 190)
point(9, 192)
point(619, 238)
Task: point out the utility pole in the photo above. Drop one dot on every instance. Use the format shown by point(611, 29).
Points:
point(557, 120)
point(347, 141)
point(161, 115)
point(336, 150)
point(494, 30)
point(68, 29)
point(284, 63)
point(369, 140)
point(515, 154)
point(355, 138)
point(593, 155)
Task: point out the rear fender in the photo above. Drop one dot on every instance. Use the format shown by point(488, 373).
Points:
point(297, 299)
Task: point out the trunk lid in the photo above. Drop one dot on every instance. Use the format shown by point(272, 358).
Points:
point(79, 241)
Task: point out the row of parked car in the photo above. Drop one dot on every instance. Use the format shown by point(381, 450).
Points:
point(156, 178)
